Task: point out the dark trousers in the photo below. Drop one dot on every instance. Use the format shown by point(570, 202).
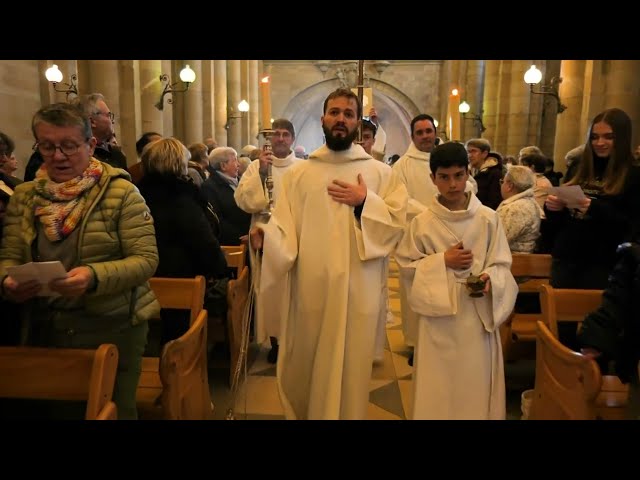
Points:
point(90, 332)
point(587, 275)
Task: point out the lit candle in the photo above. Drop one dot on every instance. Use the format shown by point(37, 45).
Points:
point(265, 88)
point(454, 115)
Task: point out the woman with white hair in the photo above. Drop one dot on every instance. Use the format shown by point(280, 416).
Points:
point(519, 211)
point(219, 189)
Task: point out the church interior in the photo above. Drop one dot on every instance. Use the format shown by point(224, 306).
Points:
point(510, 103)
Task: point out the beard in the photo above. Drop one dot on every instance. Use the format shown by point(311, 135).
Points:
point(338, 143)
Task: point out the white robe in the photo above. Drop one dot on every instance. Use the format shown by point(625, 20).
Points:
point(414, 171)
point(252, 197)
point(458, 365)
point(335, 267)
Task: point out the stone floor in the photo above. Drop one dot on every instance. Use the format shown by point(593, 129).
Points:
point(389, 389)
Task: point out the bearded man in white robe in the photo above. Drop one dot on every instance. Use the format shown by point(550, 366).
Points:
point(458, 364)
point(252, 196)
point(338, 215)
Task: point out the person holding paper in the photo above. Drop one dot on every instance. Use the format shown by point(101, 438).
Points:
point(90, 217)
point(585, 238)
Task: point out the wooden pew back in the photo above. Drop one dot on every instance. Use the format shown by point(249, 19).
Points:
point(180, 293)
point(62, 374)
point(563, 304)
point(236, 256)
point(530, 271)
point(567, 304)
point(184, 374)
point(567, 383)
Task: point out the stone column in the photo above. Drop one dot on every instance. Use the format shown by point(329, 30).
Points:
point(472, 93)
point(623, 91)
point(519, 109)
point(220, 101)
point(150, 91)
point(208, 101)
point(193, 101)
point(490, 99)
point(104, 78)
point(234, 92)
point(571, 122)
point(130, 112)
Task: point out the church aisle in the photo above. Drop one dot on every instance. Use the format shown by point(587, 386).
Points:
point(389, 389)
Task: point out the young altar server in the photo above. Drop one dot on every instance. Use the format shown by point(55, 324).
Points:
point(458, 365)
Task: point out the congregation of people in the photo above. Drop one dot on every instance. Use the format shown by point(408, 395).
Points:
point(320, 229)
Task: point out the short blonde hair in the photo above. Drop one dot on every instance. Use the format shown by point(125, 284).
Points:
point(166, 156)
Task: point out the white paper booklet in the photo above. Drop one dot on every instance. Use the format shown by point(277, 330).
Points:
point(571, 194)
point(44, 272)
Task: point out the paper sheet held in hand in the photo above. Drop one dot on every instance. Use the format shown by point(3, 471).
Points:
point(571, 194)
point(44, 272)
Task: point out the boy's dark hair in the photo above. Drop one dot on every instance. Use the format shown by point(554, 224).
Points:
point(451, 154)
point(369, 125)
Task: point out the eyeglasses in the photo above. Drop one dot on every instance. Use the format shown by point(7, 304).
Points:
point(48, 149)
point(111, 115)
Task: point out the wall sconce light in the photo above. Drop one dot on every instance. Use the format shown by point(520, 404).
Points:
point(243, 107)
point(464, 108)
point(533, 76)
point(54, 75)
point(187, 75)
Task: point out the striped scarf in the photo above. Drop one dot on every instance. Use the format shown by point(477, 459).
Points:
point(60, 205)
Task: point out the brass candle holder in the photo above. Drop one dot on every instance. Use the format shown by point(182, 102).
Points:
point(267, 133)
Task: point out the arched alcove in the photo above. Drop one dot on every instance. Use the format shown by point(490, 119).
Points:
point(394, 108)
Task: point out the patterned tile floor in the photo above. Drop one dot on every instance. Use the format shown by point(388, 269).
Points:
point(390, 387)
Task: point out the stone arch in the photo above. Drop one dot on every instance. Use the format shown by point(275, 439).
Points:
point(394, 108)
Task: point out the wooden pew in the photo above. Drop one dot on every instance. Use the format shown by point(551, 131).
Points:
point(184, 374)
point(573, 305)
point(230, 329)
point(236, 256)
point(536, 268)
point(567, 383)
point(187, 294)
point(68, 374)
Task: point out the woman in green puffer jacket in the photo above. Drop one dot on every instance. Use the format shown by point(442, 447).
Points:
point(90, 217)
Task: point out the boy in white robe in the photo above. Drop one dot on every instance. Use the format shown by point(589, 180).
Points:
point(338, 215)
point(413, 170)
point(458, 365)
